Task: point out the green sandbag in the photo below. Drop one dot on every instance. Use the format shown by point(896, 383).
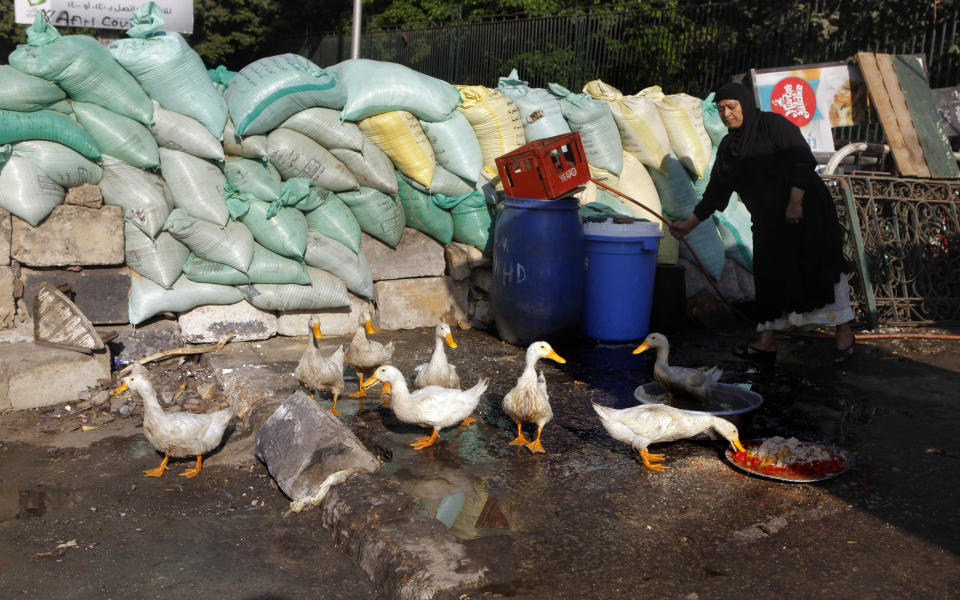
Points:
point(472, 219)
point(232, 245)
point(253, 177)
point(371, 167)
point(330, 255)
point(180, 132)
point(455, 146)
point(26, 192)
point(712, 121)
point(598, 130)
point(325, 291)
point(83, 68)
point(160, 260)
point(378, 214)
point(296, 155)
point(221, 75)
point(148, 299)
point(144, 196)
point(46, 125)
point(423, 214)
point(266, 267)
point(118, 136)
point(324, 126)
point(285, 232)
point(197, 185)
point(61, 164)
point(25, 93)
point(335, 219)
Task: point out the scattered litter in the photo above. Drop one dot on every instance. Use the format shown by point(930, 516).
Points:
point(91, 427)
point(70, 544)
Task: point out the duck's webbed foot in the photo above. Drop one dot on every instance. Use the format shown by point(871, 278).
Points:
point(649, 459)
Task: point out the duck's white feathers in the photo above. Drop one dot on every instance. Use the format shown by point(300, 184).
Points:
point(438, 371)
point(317, 372)
point(648, 424)
point(365, 354)
point(682, 381)
point(528, 401)
point(433, 406)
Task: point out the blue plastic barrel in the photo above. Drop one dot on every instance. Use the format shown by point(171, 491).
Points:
point(621, 266)
point(538, 269)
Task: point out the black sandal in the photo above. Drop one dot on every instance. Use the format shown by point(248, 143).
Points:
point(746, 352)
point(842, 355)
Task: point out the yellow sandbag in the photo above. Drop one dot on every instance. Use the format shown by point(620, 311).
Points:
point(635, 182)
point(496, 121)
point(400, 136)
point(641, 130)
point(682, 117)
point(669, 251)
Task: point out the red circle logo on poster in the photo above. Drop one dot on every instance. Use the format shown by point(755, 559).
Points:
point(793, 98)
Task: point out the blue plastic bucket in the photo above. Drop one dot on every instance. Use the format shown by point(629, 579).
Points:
point(621, 266)
point(538, 269)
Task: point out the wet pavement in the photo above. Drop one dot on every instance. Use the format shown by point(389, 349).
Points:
point(583, 520)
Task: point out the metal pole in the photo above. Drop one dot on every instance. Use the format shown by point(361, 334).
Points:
point(355, 40)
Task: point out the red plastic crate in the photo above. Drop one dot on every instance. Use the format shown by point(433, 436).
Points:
point(544, 169)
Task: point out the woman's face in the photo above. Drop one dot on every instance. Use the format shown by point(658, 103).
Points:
point(730, 113)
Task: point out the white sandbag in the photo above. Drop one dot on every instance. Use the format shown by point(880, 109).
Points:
point(330, 255)
point(160, 260)
point(641, 130)
point(736, 231)
point(266, 267)
point(399, 135)
point(148, 299)
point(325, 291)
point(118, 136)
point(231, 245)
point(325, 127)
point(371, 167)
point(26, 192)
point(263, 94)
point(60, 163)
point(682, 117)
point(375, 87)
point(179, 132)
point(144, 196)
point(276, 227)
point(593, 193)
point(25, 93)
point(540, 110)
point(253, 177)
point(496, 122)
point(248, 146)
point(296, 155)
point(635, 182)
point(378, 214)
point(455, 146)
point(598, 131)
point(197, 185)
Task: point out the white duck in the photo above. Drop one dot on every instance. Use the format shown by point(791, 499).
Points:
point(175, 434)
point(648, 424)
point(365, 354)
point(317, 372)
point(679, 381)
point(433, 406)
point(528, 401)
point(438, 371)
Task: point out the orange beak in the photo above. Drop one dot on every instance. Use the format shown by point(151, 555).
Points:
point(123, 387)
point(316, 331)
point(370, 381)
point(642, 348)
point(450, 342)
point(554, 356)
point(736, 444)
point(369, 327)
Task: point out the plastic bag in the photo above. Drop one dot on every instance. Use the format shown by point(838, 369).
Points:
point(26, 192)
point(324, 291)
point(232, 245)
point(421, 213)
point(455, 146)
point(378, 214)
point(25, 93)
point(373, 87)
point(371, 167)
point(598, 131)
point(324, 126)
point(296, 155)
point(46, 125)
point(284, 232)
point(180, 132)
point(197, 185)
point(330, 255)
point(62, 164)
point(144, 197)
point(334, 219)
point(496, 122)
point(400, 136)
point(540, 110)
point(253, 177)
point(266, 267)
point(118, 136)
point(638, 120)
point(148, 299)
point(160, 260)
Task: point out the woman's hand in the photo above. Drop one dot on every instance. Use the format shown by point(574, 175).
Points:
point(682, 228)
point(794, 210)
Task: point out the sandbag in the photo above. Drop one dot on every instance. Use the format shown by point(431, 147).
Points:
point(180, 132)
point(284, 232)
point(263, 94)
point(736, 231)
point(324, 126)
point(635, 182)
point(641, 129)
point(253, 177)
point(266, 267)
point(144, 196)
point(330, 255)
point(25, 93)
point(399, 134)
point(371, 167)
point(422, 213)
point(118, 136)
point(446, 183)
point(148, 299)
point(83, 68)
point(46, 125)
point(378, 214)
point(496, 122)
point(455, 146)
point(26, 192)
point(169, 70)
point(232, 245)
point(712, 121)
point(221, 75)
point(598, 131)
point(296, 155)
point(540, 110)
point(197, 185)
point(599, 198)
point(682, 117)
point(334, 219)
point(324, 291)
point(250, 146)
point(160, 260)
point(472, 219)
point(373, 87)
point(63, 165)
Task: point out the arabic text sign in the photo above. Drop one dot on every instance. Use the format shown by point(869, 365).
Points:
point(102, 14)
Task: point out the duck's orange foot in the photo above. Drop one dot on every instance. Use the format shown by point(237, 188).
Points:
point(520, 441)
point(646, 457)
point(158, 472)
point(359, 394)
point(536, 446)
point(423, 442)
point(193, 471)
point(468, 421)
point(335, 412)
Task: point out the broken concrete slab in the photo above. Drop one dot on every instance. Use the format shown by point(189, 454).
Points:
point(417, 255)
point(6, 229)
point(333, 321)
point(20, 331)
point(8, 296)
point(134, 344)
point(100, 293)
point(71, 235)
point(477, 258)
point(33, 376)
point(86, 195)
point(458, 261)
point(421, 302)
point(210, 323)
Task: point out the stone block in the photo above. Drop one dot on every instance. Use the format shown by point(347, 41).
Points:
point(478, 258)
point(421, 302)
point(134, 344)
point(417, 255)
point(482, 279)
point(333, 321)
point(99, 293)
point(86, 195)
point(33, 376)
point(71, 235)
point(6, 227)
point(458, 261)
point(211, 322)
point(8, 297)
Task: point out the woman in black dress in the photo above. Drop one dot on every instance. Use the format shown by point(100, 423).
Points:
point(797, 240)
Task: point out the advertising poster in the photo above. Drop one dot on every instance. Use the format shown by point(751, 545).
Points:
point(102, 14)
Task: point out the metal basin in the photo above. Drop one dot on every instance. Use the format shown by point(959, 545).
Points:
point(731, 402)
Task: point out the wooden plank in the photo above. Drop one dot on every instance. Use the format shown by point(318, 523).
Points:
point(892, 84)
point(888, 118)
point(926, 119)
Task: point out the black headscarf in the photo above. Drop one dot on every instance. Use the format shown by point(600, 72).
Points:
point(737, 141)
